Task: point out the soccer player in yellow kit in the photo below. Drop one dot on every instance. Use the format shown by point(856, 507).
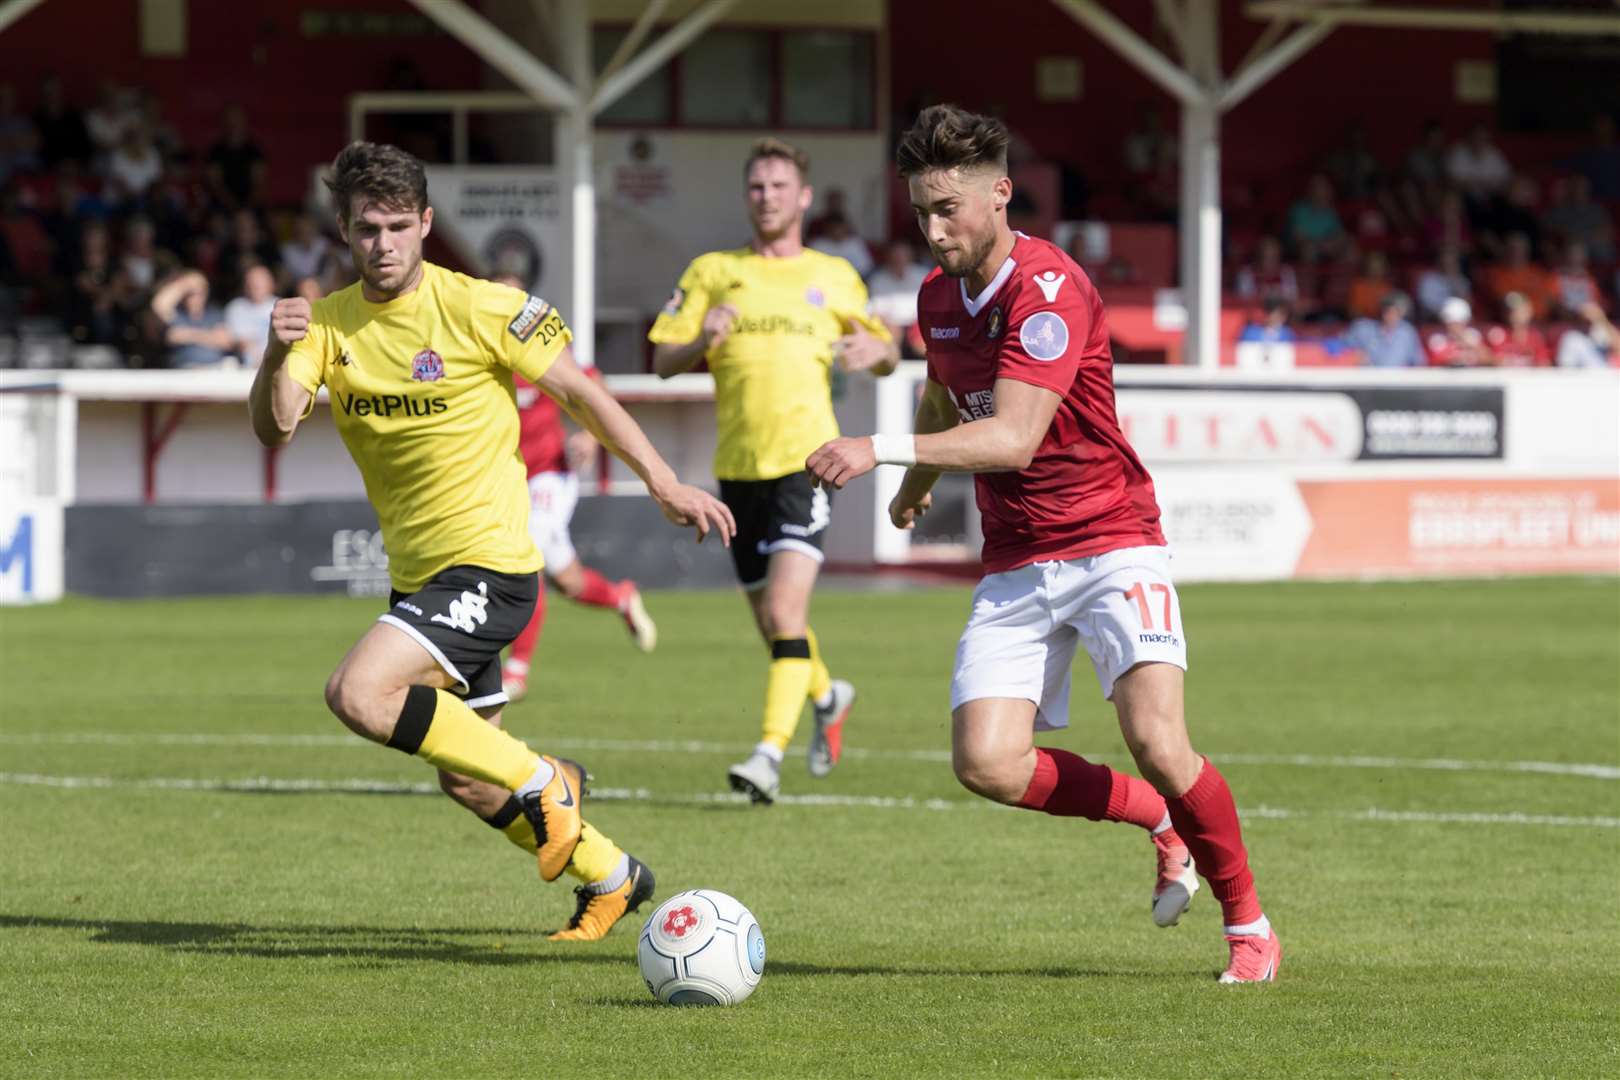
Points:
point(771, 319)
point(418, 361)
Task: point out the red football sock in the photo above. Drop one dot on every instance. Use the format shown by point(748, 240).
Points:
point(1068, 785)
point(598, 590)
point(523, 644)
point(1206, 819)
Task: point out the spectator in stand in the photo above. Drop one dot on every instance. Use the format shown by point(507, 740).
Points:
point(1591, 344)
point(1517, 213)
point(25, 238)
point(835, 207)
point(1479, 170)
point(1448, 226)
point(1458, 343)
point(61, 129)
point(1441, 282)
point(96, 308)
point(19, 142)
point(1426, 162)
point(1269, 277)
point(107, 121)
point(142, 262)
point(1313, 223)
point(893, 290)
point(164, 137)
point(236, 165)
point(1516, 273)
point(1573, 284)
point(1600, 162)
point(248, 315)
point(1574, 218)
point(1390, 340)
point(135, 164)
point(1352, 168)
point(838, 238)
point(305, 251)
point(309, 288)
point(248, 245)
point(1520, 343)
point(1273, 327)
point(1371, 286)
point(193, 329)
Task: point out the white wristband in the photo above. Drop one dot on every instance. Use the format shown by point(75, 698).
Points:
point(895, 449)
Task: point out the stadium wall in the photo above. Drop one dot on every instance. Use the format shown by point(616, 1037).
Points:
point(1338, 474)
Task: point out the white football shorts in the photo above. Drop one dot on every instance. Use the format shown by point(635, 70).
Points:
point(552, 498)
point(1021, 636)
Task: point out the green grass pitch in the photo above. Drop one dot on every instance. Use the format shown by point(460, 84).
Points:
point(200, 875)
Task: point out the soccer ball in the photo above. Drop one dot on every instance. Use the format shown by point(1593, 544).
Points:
point(701, 948)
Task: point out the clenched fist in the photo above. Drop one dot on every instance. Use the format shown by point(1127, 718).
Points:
point(289, 319)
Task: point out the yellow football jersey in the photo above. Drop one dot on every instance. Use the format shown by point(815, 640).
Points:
point(421, 391)
point(772, 374)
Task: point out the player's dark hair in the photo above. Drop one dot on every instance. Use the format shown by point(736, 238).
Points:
point(772, 147)
point(950, 137)
point(380, 174)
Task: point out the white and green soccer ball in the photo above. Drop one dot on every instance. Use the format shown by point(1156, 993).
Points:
point(701, 948)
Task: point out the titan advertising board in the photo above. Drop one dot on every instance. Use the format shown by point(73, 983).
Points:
point(1314, 424)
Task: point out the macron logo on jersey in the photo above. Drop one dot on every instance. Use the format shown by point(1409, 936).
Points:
point(944, 333)
point(1049, 283)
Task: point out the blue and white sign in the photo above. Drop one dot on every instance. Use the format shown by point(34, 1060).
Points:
point(30, 551)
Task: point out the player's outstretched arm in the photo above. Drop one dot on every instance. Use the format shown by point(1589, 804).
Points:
point(1003, 442)
point(276, 401)
point(594, 409)
point(862, 350)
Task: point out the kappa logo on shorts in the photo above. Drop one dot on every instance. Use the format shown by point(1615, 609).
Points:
point(467, 612)
point(527, 321)
point(427, 366)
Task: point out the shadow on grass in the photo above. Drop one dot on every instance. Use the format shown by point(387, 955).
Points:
point(497, 946)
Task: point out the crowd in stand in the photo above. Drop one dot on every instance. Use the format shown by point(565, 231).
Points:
point(116, 233)
point(1449, 257)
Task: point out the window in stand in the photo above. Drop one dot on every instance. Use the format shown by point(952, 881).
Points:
point(648, 102)
point(826, 79)
point(725, 78)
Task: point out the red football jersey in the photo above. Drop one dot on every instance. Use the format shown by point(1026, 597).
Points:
point(541, 436)
point(1041, 322)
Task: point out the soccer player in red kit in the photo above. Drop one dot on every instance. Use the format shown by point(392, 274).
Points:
point(549, 452)
point(1020, 392)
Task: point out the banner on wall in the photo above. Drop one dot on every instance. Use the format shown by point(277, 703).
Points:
point(1258, 525)
point(1299, 424)
point(30, 551)
point(505, 219)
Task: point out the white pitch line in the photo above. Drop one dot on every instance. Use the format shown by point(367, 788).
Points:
point(1588, 770)
point(267, 785)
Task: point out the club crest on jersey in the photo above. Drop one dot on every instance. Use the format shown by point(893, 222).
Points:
point(1044, 335)
point(994, 327)
point(427, 366)
point(815, 297)
point(526, 321)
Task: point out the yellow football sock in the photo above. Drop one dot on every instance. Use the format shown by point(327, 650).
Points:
point(514, 825)
point(595, 857)
point(820, 677)
point(785, 689)
point(439, 728)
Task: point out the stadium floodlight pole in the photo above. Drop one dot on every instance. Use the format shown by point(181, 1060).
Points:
point(1125, 41)
point(1201, 189)
point(614, 86)
point(1259, 71)
point(579, 176)
point(500, 52)
point(632, 41)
